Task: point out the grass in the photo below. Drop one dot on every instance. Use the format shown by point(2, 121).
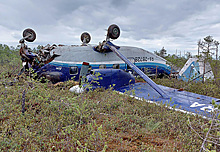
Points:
point(54, 119)
point(208, 88)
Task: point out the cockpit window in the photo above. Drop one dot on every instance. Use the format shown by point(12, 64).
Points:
point(73, 70)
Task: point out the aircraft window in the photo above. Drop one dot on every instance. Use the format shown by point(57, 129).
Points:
point(74, 70)
point(102, 66)
point(128, 67)
point(59, 68)
point(116, 66)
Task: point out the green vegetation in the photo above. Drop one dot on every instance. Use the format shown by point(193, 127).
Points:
point(206, 49)
point(44, 117)
point(209, 87)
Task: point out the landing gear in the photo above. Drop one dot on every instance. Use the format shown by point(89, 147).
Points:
point(113, 31)
point(85, 38)
point(29, 35)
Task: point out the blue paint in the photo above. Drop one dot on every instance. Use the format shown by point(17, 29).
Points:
point(65, 68)
point(136, 69)
point(62, 68)
point(64, 62)
point(192, 72)
point(123, 81)
point(106, 78)
point(184, 100)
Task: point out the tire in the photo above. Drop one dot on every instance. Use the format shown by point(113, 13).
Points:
point(113, 31)
point(85, 36)
point(28, 31)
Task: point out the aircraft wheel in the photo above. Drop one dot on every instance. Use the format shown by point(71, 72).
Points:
point(113, 31)
point(30, 32)
point(85, 36)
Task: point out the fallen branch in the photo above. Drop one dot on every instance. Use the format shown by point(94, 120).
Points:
point(23, 101)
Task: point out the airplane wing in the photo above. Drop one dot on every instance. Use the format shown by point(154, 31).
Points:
point(136, 69)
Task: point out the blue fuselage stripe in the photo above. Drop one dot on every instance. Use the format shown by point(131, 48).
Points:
point(65, 68)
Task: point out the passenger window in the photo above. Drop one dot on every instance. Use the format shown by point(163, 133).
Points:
point(128, 67)
point(102, 66)
point(74, 70)
point(116, 66)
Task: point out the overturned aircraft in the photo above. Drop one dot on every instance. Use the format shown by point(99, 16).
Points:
point(62, 62)
point(111, 65)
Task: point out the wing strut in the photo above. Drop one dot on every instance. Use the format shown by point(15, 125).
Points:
point(136, 69)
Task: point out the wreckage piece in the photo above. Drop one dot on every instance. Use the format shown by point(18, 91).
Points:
point(28, 58)
point(26, 54)
point(45, 54)
point(28, 35)
point(194, 70)
point(34, 60)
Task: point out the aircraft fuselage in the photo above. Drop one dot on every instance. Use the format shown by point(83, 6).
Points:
point(67, 66)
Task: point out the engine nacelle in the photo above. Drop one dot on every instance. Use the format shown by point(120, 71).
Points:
point(106, 78)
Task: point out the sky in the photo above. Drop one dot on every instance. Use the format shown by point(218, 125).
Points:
point(176, 25)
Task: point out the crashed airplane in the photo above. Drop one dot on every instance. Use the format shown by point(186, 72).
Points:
point(111, 65)
point(66, 61)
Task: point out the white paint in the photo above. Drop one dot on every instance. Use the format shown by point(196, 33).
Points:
point(77, 89)
point(196, 104)
point(208, 109)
